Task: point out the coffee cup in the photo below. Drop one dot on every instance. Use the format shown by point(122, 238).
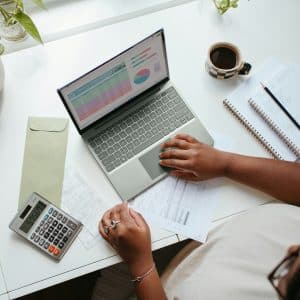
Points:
point(224, 61)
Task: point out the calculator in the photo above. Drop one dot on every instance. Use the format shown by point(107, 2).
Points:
point(46, 226)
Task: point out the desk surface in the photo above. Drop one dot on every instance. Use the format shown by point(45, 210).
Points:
point(2, 284)
point(32, 76)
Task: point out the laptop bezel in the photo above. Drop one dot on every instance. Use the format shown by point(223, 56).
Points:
point(97, 122)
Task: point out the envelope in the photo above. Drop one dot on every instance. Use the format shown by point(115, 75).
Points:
point(44, 158)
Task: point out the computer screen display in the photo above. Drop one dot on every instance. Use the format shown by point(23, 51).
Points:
point(112, 84)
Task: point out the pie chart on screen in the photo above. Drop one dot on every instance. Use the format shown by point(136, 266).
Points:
point(141, 76)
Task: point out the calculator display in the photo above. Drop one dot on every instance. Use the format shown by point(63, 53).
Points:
point(33, 216)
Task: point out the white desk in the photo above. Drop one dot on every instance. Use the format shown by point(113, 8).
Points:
point(2, 285)
point(32, 76)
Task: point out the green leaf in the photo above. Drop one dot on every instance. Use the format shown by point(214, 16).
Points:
point(224, 4)
point(28, 25)
point(39, 3)
point(5, 14)
point(19, 4)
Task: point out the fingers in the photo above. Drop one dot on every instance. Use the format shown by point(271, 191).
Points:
point(138, 218)
point(293, 249)
point(176, 143)
point(187, 138)
point(124, 212)
point(175, 163)
point(174, 153)
point(184, 175)
point(106, 218)
point(101, 231)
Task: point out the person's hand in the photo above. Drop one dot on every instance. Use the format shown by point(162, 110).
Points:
point(130, 237)
point(192, 160)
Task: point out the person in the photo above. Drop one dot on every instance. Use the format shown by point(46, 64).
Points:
point(237, 259)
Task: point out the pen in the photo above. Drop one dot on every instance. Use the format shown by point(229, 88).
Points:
point(280, 105)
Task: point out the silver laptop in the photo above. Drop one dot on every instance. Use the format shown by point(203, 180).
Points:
point(125, 108)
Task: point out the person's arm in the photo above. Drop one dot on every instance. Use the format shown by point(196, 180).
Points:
point(192, 160)
point(131, 239)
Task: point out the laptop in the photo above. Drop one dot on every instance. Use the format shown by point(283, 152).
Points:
point(125, 109)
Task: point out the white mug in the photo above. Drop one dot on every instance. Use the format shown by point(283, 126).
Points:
point(224, 61)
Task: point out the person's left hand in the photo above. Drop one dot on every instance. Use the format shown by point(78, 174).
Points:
point(130, 237)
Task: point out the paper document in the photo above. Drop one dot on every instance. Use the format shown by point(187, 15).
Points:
point(83, 203)
point(183, 207)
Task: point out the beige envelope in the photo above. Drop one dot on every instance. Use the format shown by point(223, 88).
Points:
point(44, 158)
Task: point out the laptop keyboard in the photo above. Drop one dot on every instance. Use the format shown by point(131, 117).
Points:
point(157, 118)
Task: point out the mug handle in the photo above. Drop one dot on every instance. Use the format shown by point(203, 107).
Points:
point(246, 67)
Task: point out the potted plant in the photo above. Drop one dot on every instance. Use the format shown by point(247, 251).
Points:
point(223, 5)
point(15, 23)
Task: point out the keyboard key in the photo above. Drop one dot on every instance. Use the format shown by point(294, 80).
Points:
point(69, 233)
point(46, 245)
point(64, 220)
point(156, 118)
point(72, 225)
point(59, 226)
point(51, 248)
point(61, 245)
point(54, 214)
point(56, 252)
point(42, 241)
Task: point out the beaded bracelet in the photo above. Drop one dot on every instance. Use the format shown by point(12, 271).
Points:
point(138, 279)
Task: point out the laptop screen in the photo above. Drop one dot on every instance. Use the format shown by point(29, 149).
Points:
point(112, 84)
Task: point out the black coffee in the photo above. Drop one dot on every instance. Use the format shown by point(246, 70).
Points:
point(223, 58)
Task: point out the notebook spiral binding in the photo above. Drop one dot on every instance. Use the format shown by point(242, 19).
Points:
point(252, 130)
point(283, 136)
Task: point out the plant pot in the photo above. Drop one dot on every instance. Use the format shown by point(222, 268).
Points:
point(13, 32)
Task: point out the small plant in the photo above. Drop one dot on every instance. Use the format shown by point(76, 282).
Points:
point(17, 15)
point(224, 5)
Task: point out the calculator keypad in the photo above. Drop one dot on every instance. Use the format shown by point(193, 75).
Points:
point(53, 232)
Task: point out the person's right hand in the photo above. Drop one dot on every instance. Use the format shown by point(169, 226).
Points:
point(130, 237)
point(193, 160)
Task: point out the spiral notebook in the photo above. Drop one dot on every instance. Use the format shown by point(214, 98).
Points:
point(260, 115)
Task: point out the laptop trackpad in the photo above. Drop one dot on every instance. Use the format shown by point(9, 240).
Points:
point(150, 162)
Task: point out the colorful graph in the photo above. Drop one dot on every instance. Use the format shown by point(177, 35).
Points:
point(101, 91)
point(141, 76)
